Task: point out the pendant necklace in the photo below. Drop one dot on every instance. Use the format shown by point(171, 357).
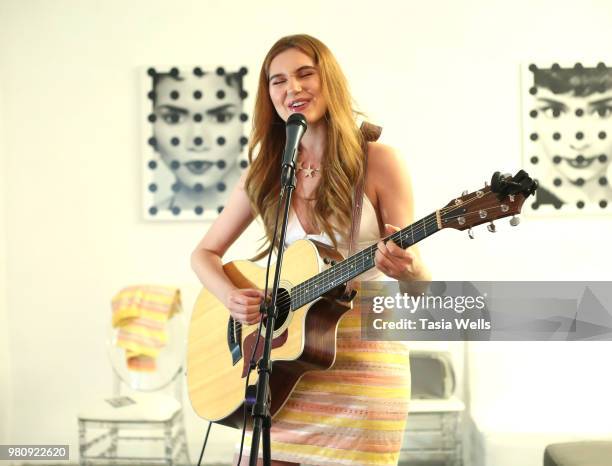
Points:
point(309, 171)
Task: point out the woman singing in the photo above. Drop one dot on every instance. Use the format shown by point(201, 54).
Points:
point(355, 412)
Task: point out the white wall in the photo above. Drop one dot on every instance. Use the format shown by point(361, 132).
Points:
point(430, 72)
point(5, 347)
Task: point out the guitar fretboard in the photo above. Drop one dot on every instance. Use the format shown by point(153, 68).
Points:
point(360, 262)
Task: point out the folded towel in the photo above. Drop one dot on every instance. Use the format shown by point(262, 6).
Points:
point(140, 313)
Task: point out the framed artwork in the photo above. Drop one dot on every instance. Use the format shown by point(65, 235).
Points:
point(193, 143)
point(567, 136)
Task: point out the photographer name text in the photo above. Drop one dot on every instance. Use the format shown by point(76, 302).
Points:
point(430, 324)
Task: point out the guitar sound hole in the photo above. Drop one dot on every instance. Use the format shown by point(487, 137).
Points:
point(283, 302)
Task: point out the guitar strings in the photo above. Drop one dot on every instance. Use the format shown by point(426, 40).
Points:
point(341, 278)
point(397, 235)
point(330, 271)
point(344, 269)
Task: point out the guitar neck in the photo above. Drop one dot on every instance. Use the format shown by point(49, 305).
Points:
point(359, 263)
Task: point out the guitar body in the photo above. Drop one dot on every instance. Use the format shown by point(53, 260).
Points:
point(304, 339)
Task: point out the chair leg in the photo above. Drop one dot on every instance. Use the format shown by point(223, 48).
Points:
point(82, 442)
point(169, 444)
point(186, 453)
point(114, 434)
point(183, 434)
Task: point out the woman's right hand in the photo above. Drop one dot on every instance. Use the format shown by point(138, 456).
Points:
point(244, 304)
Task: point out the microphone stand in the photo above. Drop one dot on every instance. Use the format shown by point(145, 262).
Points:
point(262, 420)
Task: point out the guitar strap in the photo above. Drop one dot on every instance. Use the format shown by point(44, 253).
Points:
point(370, 133)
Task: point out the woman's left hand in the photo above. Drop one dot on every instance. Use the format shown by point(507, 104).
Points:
point(394, 261)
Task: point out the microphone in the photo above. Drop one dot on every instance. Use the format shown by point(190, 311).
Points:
point(296, 127)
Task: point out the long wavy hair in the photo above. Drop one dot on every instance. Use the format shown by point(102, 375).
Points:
point(343, 160)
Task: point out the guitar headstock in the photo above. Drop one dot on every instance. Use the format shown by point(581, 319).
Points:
point(504, 197)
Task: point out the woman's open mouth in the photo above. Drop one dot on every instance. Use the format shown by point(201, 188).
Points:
point(198, 167)
point(580, 161)
point(298, 105)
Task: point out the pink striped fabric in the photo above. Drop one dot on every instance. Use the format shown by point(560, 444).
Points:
point(141, 313)
point(354, 413)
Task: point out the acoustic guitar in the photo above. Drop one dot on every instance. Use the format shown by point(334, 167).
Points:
point(310, 305)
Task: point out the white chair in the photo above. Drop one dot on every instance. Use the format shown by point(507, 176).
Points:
point(142, 422)
point(433, 430)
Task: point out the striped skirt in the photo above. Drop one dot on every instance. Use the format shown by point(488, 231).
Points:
point(352, 414)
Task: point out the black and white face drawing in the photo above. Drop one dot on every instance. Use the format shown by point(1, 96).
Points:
point(568, 137)
point(197, 146)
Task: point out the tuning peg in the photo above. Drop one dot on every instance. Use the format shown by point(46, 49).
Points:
point(514, 221)
point(486, 184)
point(464, 193)
point(471, 233)
point(491, 227)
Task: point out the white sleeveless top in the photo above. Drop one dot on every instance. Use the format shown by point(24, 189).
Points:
point(368, 235)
